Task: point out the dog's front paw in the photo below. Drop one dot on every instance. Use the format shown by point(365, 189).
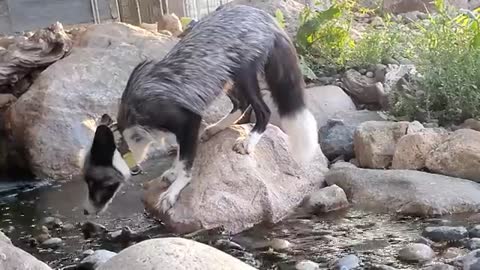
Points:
point(166, 201)
point(241, 146)
point(169, 175)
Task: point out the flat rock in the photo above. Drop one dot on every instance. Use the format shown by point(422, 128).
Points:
point(458, 155)
point(95, 260)
point(238, 191)
point(173, 253)
point(406, 191)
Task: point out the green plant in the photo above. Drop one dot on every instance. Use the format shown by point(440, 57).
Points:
point(280, 18)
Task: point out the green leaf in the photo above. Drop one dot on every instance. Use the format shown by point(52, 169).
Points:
point(280, 18)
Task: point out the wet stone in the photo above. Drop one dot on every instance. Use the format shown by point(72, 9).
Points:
point(96, 259)
point(54, 242)
point(280, 244)
point(439, 266)
point(445, 233)
point(307, 265)
point(472, 243)
point(346, 263)
point(52, 222)
point(68, 227)
point(474, 232)
point(416, 252)
point(92, 229)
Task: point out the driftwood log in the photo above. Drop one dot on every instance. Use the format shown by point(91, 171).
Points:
point(22, 57)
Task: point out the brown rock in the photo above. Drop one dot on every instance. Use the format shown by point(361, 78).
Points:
point(238, 191)
point(458, 155)
point(170, 23)
point(375, 141)
point(6, 100)
point(402, 6)
point(413, 149)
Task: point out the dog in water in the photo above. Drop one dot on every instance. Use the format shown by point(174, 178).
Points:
point(229, 46)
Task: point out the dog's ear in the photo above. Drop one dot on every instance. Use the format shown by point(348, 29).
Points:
point(103, 147)
point(106, 120)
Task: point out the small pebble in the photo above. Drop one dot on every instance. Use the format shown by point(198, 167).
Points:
point(307, 265)
point(87, 252)
point(52, 242)
point(52, 222)
point(416, 252)
point(92, 229)
point(279, 244)
point(42, 237)
point(370, 74)
point(223, 243)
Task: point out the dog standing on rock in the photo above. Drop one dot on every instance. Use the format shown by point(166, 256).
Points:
point(230, 45)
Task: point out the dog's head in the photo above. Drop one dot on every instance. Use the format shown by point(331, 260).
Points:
point(104, 171)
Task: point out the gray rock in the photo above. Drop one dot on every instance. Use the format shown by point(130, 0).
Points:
point(426, 241)
point(361, 87)
point(439, 266)
point(92, 229)
point(348, 262)
point(52, 222)
point(336, 136)
point(322, 101)
point(13, 258)
point(472, 243)
point(471, 261)
point(78, 90)
point(95, 260)
point(173, 253)
point(238, 203)
point(336, 139)
point(416, 252)
point(474, 232)
point(53, 242)
point(68, 227)
point(307, 265)
point(406, 192)
point(445, 233)
point(382, 267)
point(88, 252)
point(280, 244)
point(327, 199)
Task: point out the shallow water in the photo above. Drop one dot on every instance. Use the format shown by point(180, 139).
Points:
point(374, 238)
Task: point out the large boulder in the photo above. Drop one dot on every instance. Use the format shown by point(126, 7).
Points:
point(173, 253)
point(13, 258)
point(375, 142)
point(412, 150)
point(290, 9)
point(458, 155)
point(406, 191)
point(54, 120)
point(236, 191)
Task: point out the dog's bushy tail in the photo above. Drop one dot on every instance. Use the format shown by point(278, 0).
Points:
point(285, 80)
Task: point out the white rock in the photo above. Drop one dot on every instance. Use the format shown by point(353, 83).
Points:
point(13, 258)
point(173, 253)
point(416, 252)
point(328, 199)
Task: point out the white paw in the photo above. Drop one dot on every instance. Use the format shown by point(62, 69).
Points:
point(207, 134)
point(167, 200)
point(169, 175)
point(241, 146)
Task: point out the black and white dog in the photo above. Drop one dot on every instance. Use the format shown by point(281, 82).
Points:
point(229, 46)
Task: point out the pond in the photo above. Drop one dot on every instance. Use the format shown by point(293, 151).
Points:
point(373, 237)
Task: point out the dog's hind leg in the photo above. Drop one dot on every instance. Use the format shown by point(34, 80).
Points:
point(239, 106)
point(247, 83)
point(186, 131)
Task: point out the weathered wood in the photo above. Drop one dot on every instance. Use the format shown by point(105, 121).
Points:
point(22, 56)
